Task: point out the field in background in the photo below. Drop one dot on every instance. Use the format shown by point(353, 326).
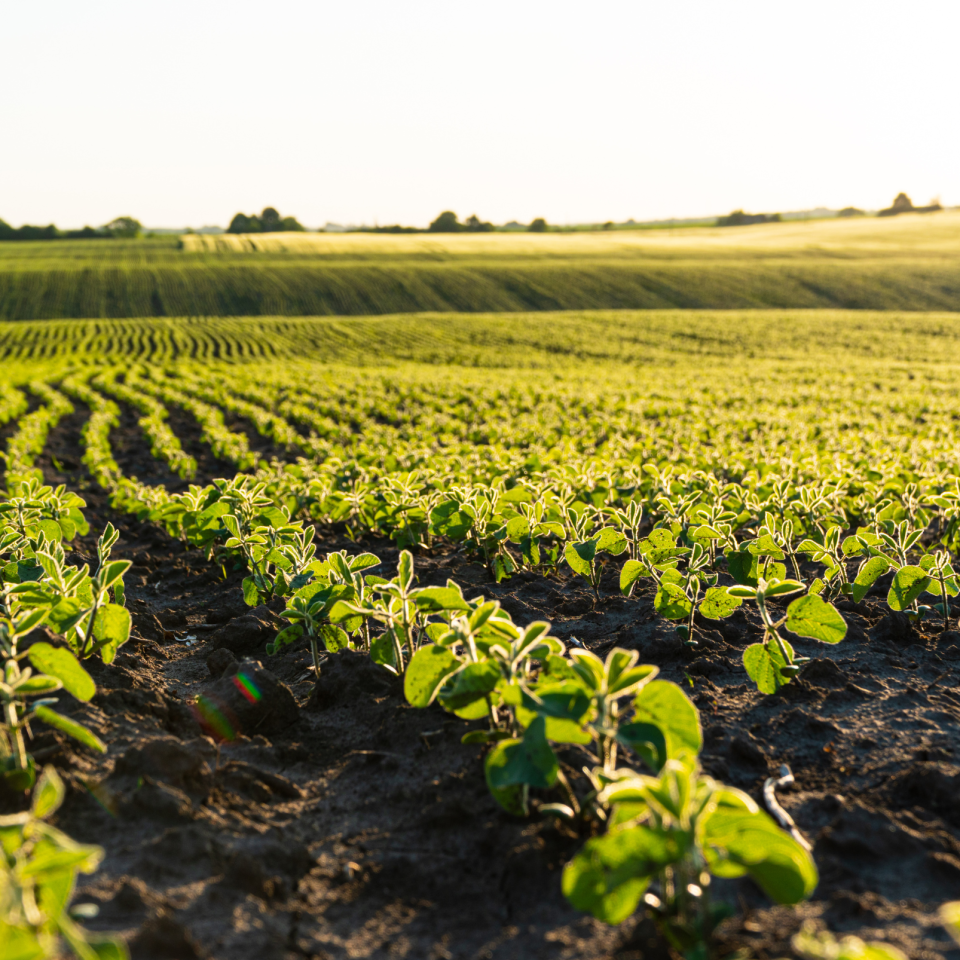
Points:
point(903, 263)
point(569, 340)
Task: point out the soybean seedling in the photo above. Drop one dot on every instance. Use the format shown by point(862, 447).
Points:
point(772, 663)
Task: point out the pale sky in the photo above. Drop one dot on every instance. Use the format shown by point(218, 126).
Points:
point(361, 111)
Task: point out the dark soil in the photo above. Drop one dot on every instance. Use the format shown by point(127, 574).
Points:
point(348, 824)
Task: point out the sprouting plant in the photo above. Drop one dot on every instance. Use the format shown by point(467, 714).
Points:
point(321, 609)
point(87, 610)
point(38, 871)
point(678, 595)
point(584, 547)
point(944, 581)
point(396, 609)
point(667, 835)
point(51, 668)
point(772, 663)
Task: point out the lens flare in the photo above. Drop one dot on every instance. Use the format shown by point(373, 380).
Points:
point(247, 687)
point(213, 718)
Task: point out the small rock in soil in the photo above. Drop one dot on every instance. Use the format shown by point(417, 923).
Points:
point(247, 634)
point(162, 937)
point(253, 700)
point(182, 765)
point(220, 661)
point(346, 676)
point(895, 628)
point(745, 749)
point(824, 673)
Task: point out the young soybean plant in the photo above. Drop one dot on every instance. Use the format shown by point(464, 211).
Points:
point(88, 611)
point(669, 834)
point(772, 663)
point(678, 594)
point(321, 609)
point(38, 871)
point(582, 549)
point(52, 668)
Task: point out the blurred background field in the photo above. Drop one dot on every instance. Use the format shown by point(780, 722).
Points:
point(572, 343)
point(908, 262)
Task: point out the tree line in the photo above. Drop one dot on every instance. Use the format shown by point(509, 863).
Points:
point(269, 221)
point(126, 228)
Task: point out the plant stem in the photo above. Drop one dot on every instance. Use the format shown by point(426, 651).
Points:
point(316, 656)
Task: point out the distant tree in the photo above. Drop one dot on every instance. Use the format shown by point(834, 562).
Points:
point(447, 222)
point(124, 227)
point(740, 219)
point(608, 225)
point(850, 212)
point(538, 226)
point(903, 204)
point(241, 223)
point(270, 220)
point(86, 233)
point(475, 225)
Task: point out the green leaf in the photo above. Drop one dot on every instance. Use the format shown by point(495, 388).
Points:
point(668, 708)
point(742, 566)
point(765, 546)
point(382, 651)
point(580, 556)
point(334, 639)
point(874, 568)
point(60, 663)
point(111, 627)
point(363, 561)
point(718, 603)
point(285, 637)
point(70, 727)
point(647, 740)
point(49, 793)
point(610, 540)
point(611, 873)
point(528, 761)
point(671, 602)
point(426, 672)
point(632, 571)
point(751, 840)
point(705, 532)
point(530, 550)
point(20, 943)
point(64, 615)
point(815, 618)
point(251, 592)
point(405, 569)
point(439, 599)
point(109, 948)
point(517, 529)
point(908, 583)
point(51, 530)
point(473, 683)
point(763, 665)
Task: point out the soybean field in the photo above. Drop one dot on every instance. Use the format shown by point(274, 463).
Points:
point(594, 633)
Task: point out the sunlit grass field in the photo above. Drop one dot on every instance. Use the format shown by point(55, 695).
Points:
point(905, 263)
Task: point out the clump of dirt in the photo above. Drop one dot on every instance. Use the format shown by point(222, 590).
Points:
point(337, 821)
